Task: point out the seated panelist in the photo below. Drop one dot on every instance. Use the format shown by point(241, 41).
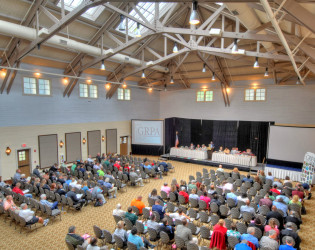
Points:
point(221, 149)
point(227, 151)
point(198, 147)
point(192, 147)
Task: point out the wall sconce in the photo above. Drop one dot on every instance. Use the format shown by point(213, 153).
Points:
point(103, 138)
point(83, 141)
point(8, 151)
point(61, 143)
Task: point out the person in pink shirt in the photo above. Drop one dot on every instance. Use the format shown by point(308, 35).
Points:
point(166, 189)
point(206, 199)
point(9, 204)
point(272, 226)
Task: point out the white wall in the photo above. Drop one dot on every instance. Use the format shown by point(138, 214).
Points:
point(284, 104)
point(23, 118)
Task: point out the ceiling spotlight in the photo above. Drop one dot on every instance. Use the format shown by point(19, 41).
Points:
point(107, 85)
point(143, 74)
point(298, 81)
point(194, 17)
point(172, 80)
point(235, 48)
point(266, 73)
point(65, 80)
point(150, 89)
point(204, 68)
point(89, 81)
point(256, 64)
point(3, 73)
point(138, 32)
point(102, 65)
point(122, 26)
point(124, 85)
point(213, 77)
point(175, 48)
point(37, 74)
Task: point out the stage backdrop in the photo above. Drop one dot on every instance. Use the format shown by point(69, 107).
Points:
point(241, 134)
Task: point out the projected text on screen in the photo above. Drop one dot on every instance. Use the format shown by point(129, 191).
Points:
point(147, 132)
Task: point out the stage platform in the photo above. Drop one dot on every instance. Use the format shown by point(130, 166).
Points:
point(212, 163)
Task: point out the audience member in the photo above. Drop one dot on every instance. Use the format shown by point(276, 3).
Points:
point(167, 229)
point(159, 209)
point(272, 226)
point(152, 223)
point(294, 218)
point(166, 189)
point(232, 196)
point(137, 240)
point(206, 199)
point(44, 201)
point(118, 211)
point(138, 203)
point(280, 204)
point(233, 232)
point(136, 176)
point(257, 223)
point(250, 236)
point(36, 171)
point(288, 231)
point(75, 239)
point(183, 193)
point(97, 193)
point(131, 216)
point(243, 245)
point(275, 214)
point(121, 232)
point(247, 208)
point(288, 244)
point(154, 195)
point(192, 185)
point(29, 216)
point(17, 190)
point(266, 201)
point(73, 196)
point(184, 232)
point(179, 215)
point(269, 176)
point(247, 178)
point(193, 195)
point(111, 188)
point(270, 241)
point(9, 204)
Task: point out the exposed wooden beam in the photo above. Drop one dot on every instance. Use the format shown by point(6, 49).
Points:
point(12, 77)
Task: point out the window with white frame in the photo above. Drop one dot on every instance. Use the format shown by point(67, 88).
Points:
point(204, 96)
point(124, 94)
point(147, 9)
point(36, 86)
point(22, 156)
point(255, 94)
point(92, 13)
point(88, 90)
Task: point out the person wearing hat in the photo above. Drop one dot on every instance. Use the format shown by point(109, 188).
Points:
point(288, 231)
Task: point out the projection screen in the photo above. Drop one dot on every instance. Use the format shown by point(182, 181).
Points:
point(147, 132)
point(290, 143)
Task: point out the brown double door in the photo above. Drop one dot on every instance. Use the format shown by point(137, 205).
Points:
point(24, 163)
point(124, 145)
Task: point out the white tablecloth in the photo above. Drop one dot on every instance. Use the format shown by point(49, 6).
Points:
point(282, 173)
point(195, 154)
point(235, 159)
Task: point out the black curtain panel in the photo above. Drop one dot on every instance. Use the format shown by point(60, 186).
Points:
point(230, 138)
point(196, 131)
point(243, 136)
point(183, 127)
point(259, 139)
point(206, 131)
point(169, 134)
point(218, 133)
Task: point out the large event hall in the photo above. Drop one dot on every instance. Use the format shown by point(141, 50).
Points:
point(174, 124)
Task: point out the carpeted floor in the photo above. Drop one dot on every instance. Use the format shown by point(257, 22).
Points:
point(52, 236)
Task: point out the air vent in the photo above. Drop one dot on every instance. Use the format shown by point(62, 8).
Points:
point(63, 42)
point(235, 13)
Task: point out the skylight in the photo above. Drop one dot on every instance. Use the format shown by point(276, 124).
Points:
point(91, 13)
point(147, 10)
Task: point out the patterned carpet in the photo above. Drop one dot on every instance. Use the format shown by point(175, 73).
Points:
point(52, 236)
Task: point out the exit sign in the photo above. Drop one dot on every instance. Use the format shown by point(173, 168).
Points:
point(23, 145)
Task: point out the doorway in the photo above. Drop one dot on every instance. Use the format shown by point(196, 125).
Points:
point(24, 165)
point(124, 145)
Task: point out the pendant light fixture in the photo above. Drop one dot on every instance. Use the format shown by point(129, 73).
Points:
point(204, 68)
point(143, 74)
point(172, 80)
point(138, 32)
point(194, 17)
point(175, 48)
point(235, 48)
point(266, 73)
point(256, 64)
point(102, 65)
point(213, 77)
point(122, 26)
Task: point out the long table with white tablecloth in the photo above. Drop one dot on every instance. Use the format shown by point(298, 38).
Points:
point(188, 153)
point(282, 173)
point(245, 160)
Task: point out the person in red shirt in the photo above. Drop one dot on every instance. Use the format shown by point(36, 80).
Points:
point(298, 192)
point(183, 193)
point(17, 190)
point(275, 190)
point(127, 168)
point(220, 226)
point(117, 165)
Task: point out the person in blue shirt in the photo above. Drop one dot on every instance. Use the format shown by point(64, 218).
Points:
point(43, 201)
point(269, 176)
point(147, 165)
point(279, 204)
point(137, 240)
point(164, 164)
point(284, 198)
point(232, 196)
point(68, 181)
point(101, 181)
point(242, 246)
point(288, 244)
point(159, 209)
point(250, 236)
point(247, 178)
point(85, 187)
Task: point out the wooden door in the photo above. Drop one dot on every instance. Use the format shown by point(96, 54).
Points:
point(24, 161)
point(124, 145)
